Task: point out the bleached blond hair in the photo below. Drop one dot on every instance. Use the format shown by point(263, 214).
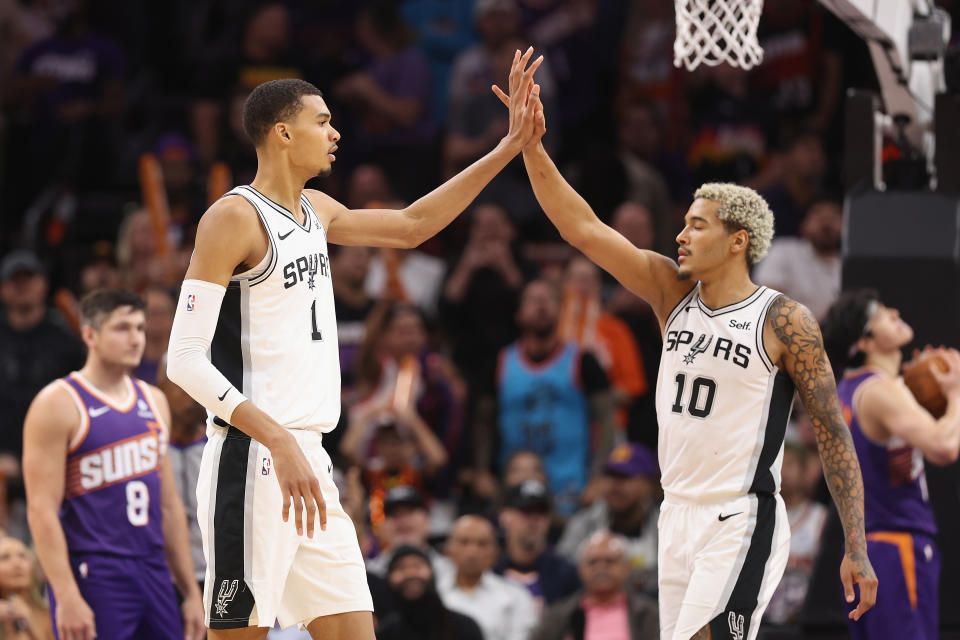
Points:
point(742, 208)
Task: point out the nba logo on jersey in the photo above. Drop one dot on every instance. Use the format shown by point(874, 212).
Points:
point(143, 410)
point(265, 470)
point(735, 623)
point(191, 302)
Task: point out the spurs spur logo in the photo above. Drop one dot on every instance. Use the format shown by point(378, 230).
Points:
point(698, 347)
point(735, 623)
point(228, 589)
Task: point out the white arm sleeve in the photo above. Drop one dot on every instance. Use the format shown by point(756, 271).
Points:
point(188, 366)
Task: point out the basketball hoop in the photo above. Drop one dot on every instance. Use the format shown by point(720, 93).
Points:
point(712, 32)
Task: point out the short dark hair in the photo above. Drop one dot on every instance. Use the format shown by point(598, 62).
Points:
point(845, 324)
point(272, 102)
point(95, 307)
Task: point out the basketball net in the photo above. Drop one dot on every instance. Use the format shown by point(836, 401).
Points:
point(712, 32)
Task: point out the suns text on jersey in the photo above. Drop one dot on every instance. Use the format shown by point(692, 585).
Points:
point(716, 347)
point(114, 463)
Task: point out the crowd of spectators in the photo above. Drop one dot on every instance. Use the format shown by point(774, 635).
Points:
point(513, 489)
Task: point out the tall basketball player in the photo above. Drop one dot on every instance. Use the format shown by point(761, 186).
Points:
point(893, 434)
point(733, 353)
point(258, 298)
point(102, 500)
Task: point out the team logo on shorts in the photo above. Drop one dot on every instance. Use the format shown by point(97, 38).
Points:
point(735, 623)
point(228, 589)
point(699, 347)
point(265, 469)
point(191, 302)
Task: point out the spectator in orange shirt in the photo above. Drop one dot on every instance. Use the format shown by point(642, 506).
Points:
point(584, 320)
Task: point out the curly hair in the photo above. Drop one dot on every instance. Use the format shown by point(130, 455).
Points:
point(742, 208)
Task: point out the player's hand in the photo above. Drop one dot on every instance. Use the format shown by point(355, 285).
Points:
point(75, 619)
point(192, 611)
point(299, 486)
point(538, 120)
point(856, 569)
point(948, 380)
point(522, 108)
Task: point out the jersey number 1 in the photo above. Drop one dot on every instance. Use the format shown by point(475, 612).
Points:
point(316, 335)
point(700, 404)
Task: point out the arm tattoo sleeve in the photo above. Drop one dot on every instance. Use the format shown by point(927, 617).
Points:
point(806, 362)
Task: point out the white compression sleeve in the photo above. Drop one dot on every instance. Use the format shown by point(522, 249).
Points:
point(194, 324)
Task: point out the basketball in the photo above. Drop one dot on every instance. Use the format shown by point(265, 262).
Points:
point(918, 376)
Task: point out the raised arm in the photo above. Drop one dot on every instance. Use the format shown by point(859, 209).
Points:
point(792, 339)
point(887, 402)
point(51, 423)
point(421, 220)
point(649, 275)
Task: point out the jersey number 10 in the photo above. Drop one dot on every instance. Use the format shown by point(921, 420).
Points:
point(700, 403)
point(316, 335)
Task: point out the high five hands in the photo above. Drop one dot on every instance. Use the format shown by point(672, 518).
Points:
point(526, 112)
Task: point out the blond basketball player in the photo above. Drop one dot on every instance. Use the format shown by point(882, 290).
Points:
point(257, 297)
point(733, 354)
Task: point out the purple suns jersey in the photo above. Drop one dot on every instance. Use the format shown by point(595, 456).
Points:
point(111, 501)
point(894, 483)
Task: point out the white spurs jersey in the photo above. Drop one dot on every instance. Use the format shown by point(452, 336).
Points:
point(722, 405)
point(276, 339)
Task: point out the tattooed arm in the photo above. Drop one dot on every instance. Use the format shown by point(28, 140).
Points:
point(793, 341)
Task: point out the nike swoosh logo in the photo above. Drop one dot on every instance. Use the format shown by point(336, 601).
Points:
point(283, 236)
point(722, 517)
point(99, 411)
point(225, 392)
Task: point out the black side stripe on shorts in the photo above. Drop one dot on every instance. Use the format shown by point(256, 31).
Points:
point(734, 620)
point(232, 601)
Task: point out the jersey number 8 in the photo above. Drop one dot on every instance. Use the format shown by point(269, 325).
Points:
point(138, 503)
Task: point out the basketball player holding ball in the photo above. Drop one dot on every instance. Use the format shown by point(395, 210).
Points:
point(258, 298)
point(893, 434)
point(733, 353)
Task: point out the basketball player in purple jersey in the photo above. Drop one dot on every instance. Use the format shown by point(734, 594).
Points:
point(893, 434)
point(102, 502)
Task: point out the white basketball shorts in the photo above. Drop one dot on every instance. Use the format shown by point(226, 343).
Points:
point(719, 565)
point(258, 568)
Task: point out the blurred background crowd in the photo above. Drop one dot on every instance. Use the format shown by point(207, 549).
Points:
point(498, 428)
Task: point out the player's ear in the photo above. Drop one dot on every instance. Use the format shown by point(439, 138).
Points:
point(88, 334)
point(739, 241)
point(281, 130)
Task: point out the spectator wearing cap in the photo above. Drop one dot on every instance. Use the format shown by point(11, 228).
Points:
point(35, 347)
point(418, 612)
point(526, 558)
point(627, 508)
point(504, 610)
point(608, 606)
point(405, 522)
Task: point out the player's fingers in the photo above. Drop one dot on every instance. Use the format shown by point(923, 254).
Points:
point(528, 74)
point(500, 94)
point(515, 71)
point(311, 511)
point(298, 510)
point(321, 506)
point(286, 504)
point(868, 595)
point(847, 579)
